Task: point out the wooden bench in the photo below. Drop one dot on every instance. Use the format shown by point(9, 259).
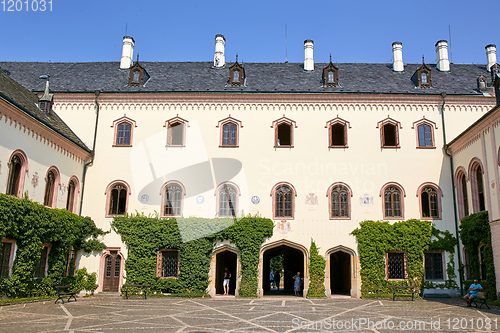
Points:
point(63, 291)
point(395, 290)
point(143, 287)
point(481, 299)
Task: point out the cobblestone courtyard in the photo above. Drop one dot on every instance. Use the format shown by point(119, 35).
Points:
point(273, 314)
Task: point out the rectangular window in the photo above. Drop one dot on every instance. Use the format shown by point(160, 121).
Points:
point(395, 266)
point(434, 266)
point(41, 268)
point(168, 263)
point(5, 260)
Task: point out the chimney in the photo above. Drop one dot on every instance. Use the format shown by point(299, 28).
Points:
point(219, 58)
point(491, 55)
point(397, 55)
point(443, 63)
point(127, 53)
point(308, 51)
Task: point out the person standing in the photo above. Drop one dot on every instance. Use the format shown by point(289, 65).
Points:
point(225, 284)
point(296, 284)
point(277, 279)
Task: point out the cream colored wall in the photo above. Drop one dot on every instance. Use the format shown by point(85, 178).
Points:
point(482, 142)
point(41, 155)
point(311, 167)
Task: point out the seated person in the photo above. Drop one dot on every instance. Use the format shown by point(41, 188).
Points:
point(473, 290)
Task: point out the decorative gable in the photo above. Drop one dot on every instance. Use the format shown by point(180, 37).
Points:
point(137, 75)
point(422, 76)
point(236, 74)
point(330, 75)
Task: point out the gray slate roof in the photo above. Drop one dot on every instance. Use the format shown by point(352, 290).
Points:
point(26, 102)
point(260, 77)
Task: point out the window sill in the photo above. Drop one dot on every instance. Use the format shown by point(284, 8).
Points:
point(167, 277)
point(115, 215)
point(345, 146)
point(390, 147)
point(340, 218)
point(283, 218)
point(426, 147)
point(121, 145)
point(170, 216)
point(229, 146)
point(173, 146)
point(283, 146)
point(393, 217)
point(395, 280)
point(432, 218)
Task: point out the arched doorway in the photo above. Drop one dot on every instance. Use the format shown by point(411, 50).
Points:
point(225, 259)
point(340, 273)
point(293, 262)
point(110, 270)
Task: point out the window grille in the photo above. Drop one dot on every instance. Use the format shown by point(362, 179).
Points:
point(396, 265)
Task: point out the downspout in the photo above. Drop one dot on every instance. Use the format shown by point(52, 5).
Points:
point(452, 167)
point(89, 163)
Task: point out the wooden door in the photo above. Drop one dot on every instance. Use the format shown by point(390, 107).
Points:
point(111, 281)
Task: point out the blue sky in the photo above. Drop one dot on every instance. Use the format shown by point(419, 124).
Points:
point(352, 31)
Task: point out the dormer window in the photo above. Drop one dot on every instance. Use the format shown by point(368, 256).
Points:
point(422, 77)
point(330, 75)
point(236, 74)
point(137, 75)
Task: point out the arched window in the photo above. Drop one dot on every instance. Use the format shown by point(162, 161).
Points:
point(123, 135)
point(331, 78)
point(389, 133)
point(173, 194)
point(236, 76)
point(283, 201)
point(176, 131)
point(340, 201)
point(136, 77)
point(230, 134)
point(18, 165)
point(14, 175)
point(430, 201)
point(461, 188)
point(424, 136)
point(117, 198)
point(393, 203)
point(72, 194)
point(51, 183)
point(477, 185)
point(283, 132)
point(124, 130)
point(227, 198)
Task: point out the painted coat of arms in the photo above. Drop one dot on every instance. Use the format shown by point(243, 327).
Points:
point(365, 200)
point(311, 199)
point(34, 180)
point(283, 227)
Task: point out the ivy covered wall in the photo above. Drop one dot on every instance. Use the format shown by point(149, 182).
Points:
point(30, 225)
point(475, 233)
point(413, 237)
point(195, 239)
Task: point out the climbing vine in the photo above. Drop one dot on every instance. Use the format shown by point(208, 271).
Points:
point(475, 232)
point(316, 272)
point(30, 225)
point(195, 239)
point(376, 238)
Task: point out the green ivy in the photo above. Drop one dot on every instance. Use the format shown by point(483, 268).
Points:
point(376, 238)
point(31, 225)
point(316, 272)
point(475, 231)
point(195, 239)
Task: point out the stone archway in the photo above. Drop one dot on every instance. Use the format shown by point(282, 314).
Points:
point(111, 269)
point(293, 264)
point(342, 272)
point(224, 255)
